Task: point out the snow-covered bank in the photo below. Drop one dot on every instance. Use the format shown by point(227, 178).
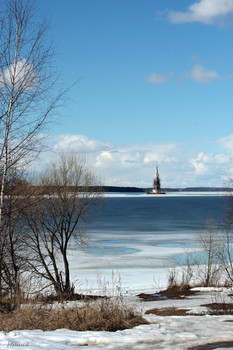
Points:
point(163, 333)
point(176, 333)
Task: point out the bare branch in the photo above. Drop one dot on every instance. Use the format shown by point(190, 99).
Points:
point(53, 221)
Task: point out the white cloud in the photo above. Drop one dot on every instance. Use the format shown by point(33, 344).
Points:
point(78, 143)
point(207, 163)
point(205, 11)
point(227, 142)
point(200, 168)
point(105, 159)
point(202, 75)
point(155, 78)
point(133, 155)
point(163, 152)
point(223, 159)
point(22, 75)
point(198, 73)
point(156, 157)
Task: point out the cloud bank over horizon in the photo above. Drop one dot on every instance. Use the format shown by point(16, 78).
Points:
point(180, 164)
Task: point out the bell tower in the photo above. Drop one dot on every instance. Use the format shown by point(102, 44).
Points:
point(156, 184)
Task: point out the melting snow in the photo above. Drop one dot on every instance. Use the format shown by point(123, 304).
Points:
point(163, 332)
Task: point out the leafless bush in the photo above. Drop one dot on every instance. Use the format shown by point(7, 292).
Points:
point(209, 265)
point(226, 254)
point(203, 267)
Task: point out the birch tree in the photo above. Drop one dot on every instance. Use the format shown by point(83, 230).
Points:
point(26, 85)
point(28, 96)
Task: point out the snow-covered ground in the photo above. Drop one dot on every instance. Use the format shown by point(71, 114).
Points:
point(163, 332)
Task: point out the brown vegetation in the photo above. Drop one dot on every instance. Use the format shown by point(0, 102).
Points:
point(106, 315)
point(168, 312)
point(172, 292)
point(219, 308)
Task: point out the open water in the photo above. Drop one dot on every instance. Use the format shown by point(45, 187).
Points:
point(149, 231)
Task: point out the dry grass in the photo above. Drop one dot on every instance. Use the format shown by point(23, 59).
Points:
point(168, 312)
point(219, 308)
point(172, 292)
point(178, 291)
point(106, 315)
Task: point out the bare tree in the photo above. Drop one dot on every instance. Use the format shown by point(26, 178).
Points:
point(226, 253)
point(12, 229)
point(26, 85)
point(205, 265)
point(210, 268)
point(68, 190)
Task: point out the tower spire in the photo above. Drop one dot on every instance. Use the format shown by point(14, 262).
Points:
point(156, 183)
point(157, 186)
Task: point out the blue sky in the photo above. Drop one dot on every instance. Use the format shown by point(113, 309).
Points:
point(155, 84)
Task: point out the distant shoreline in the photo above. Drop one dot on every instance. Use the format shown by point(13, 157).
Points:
point(120, 189)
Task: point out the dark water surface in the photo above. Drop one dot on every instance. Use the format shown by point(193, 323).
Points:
point(158, 214)
point(136, 230)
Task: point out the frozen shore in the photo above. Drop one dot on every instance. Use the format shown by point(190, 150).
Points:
point(163, 332)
